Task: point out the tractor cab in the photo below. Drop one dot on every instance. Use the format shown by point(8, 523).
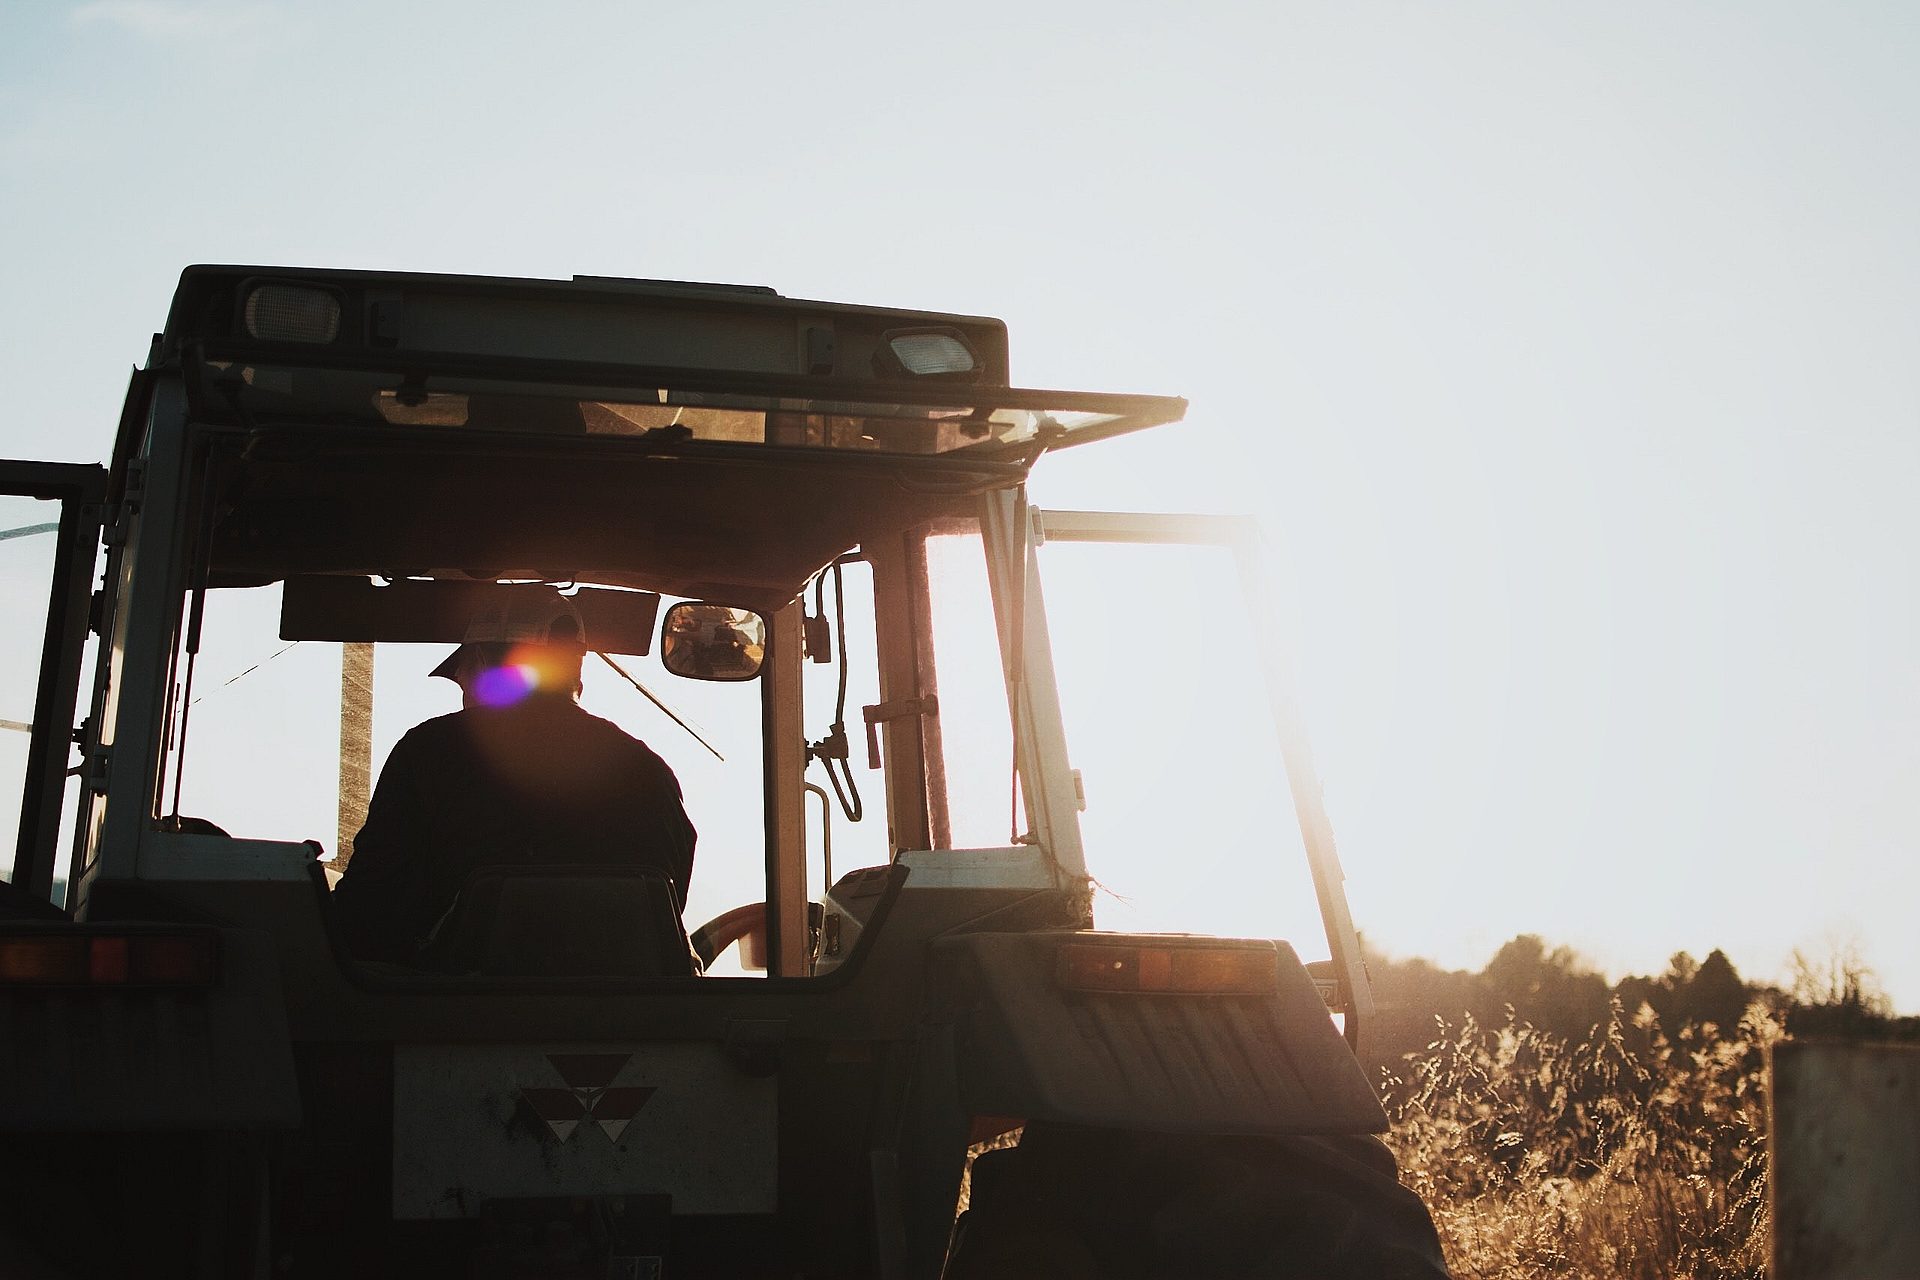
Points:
point(798, 540)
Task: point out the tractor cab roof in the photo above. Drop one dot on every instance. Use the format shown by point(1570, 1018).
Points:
point(703, 439)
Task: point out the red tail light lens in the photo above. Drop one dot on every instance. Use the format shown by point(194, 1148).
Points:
point(108, 959)
point(172, 961)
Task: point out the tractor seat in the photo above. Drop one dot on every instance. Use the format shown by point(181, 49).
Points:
point(563, 921)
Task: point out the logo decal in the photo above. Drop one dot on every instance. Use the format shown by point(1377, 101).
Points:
point(589, 1095)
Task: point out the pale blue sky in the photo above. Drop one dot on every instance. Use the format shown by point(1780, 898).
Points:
point(1565, 351)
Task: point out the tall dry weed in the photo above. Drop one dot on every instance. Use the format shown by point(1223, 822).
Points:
point(1632, 1153)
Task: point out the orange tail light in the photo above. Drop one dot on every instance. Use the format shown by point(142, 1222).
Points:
point(1185, 970)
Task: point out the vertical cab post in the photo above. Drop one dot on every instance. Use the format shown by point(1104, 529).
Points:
point(927, 674)
point(148, 614)
point(1033, 696)
point(901, 736)
point(79, 488)
point(1303, 781)
point(786, 763)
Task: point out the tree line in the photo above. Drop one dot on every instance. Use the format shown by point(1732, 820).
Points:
point(1553, 989)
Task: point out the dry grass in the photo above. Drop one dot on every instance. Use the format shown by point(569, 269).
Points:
point(1630, 1154)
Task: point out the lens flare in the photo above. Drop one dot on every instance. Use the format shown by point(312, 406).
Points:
point(505, 685)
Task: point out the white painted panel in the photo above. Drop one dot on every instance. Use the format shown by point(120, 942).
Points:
point(478, 1121)
point(1018, 867)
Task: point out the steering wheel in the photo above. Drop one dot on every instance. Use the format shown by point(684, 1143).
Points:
point(747, 925)
point(747, 922)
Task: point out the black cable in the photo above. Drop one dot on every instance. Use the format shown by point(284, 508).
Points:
point(201, 570)
point(834, 746)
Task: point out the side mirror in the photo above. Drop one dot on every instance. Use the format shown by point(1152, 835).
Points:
point(712, 641)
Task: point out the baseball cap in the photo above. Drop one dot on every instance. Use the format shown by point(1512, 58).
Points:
point(521, 615)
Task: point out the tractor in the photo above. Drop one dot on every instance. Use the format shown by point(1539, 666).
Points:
point(886, 1039)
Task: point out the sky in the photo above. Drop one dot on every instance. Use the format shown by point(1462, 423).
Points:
point(1564, 354)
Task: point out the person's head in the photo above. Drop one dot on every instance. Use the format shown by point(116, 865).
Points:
point(527, 643)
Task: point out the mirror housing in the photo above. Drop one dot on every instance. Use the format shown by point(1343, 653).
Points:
point(704, 641)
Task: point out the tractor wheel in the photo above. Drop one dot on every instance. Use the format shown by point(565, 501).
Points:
point(1073, 1203)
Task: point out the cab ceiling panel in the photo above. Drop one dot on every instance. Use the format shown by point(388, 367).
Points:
point(306, 501)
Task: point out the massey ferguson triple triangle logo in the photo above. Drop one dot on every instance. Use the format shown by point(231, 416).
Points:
point(589, 1095)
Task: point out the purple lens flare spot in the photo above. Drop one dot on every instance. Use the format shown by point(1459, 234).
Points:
point(504, 686)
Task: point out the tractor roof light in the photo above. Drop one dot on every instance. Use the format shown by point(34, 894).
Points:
point(1170, 970)
point(292, 313)
point(925, 353)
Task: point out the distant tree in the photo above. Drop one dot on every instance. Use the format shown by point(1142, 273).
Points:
point(1690, 991)
point(1518, 970)
point(1635, 992)
point(1840, 995)
point(1715, 994)
point(1841, 978)
point(1552, 989)
point(1409, 995)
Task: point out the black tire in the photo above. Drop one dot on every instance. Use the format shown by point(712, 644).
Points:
point(1071, 1203)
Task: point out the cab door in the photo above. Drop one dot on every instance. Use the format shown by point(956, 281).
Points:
point(50, 520)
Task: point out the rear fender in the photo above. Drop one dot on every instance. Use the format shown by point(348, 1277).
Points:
point(1025, 1045)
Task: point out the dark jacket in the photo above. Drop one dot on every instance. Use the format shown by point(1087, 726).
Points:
point(543, 781)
